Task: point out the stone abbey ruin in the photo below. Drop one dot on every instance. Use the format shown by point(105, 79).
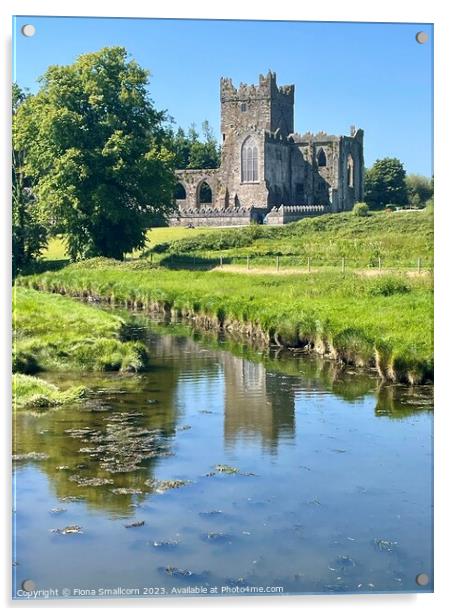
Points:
point(269, 173)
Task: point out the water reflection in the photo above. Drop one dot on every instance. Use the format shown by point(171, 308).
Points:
point(257, 404)
point(320, 489)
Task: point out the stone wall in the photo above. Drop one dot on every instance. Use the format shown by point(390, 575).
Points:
point(292, 213)
point(214, 217)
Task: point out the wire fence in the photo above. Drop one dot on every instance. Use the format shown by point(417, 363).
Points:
point(308, 264)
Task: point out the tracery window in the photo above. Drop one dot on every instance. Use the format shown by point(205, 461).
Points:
point(249, 160)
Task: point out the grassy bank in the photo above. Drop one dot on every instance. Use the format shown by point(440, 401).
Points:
point(57, 333)
point(31, 391)
point(383, 322)
point(396, 239)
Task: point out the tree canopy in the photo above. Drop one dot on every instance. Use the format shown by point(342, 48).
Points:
point(28, 234)
point(385, 184)
point(96, 152)
point(192, 152)
point(420, 189)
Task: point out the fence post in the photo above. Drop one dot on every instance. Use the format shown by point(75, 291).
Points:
point(248, 262)
point(343, 264)
point(379, 264)
point(309, 264)
point(277, 264)
point(221, 262)
point(419, 265)
point(152, 256)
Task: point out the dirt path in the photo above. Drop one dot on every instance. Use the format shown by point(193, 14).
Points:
point(288, 271)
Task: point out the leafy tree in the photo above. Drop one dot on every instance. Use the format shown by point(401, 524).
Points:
point(420, 189)
point(96, 153)
point(181, 148)
point(205, 154)
point(28, 235)
point(385, 183)
point(191, 152)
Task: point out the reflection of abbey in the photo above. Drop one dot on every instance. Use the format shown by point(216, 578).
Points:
point(266, 169)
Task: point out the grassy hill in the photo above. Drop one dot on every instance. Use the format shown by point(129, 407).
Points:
point(398, 239)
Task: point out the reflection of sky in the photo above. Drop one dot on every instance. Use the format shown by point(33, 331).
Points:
point(372, 75)
point(340, 479)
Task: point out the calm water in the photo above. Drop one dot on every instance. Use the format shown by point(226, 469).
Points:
point(330, 488)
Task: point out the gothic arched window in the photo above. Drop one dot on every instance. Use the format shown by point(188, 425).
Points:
point(350, 175)
point(249, 160)
point(204, 194)
point(321, 158)
point(179, 192)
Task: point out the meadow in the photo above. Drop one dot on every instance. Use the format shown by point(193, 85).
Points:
point(56, 249)
point(386, 239)
point(383, 322)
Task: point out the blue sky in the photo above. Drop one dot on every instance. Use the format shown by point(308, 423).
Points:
point(375, 76)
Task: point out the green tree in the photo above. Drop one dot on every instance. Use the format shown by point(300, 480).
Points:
point(96, 153)
point(385, 183)
point(191, 152)
point(181, 148)
point(205, 154)
point(28, 234)
point(420, 189)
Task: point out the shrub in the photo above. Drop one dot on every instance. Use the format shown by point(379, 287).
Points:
point(388, 286)
point(361, 209)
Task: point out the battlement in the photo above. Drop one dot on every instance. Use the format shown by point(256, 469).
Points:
point(266, 88)
point(309, 137)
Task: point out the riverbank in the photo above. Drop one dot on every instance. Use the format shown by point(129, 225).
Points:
point(31, 391)
point(60, 334)
point(383, 323)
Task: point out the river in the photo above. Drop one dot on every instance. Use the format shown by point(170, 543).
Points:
point(293, 477)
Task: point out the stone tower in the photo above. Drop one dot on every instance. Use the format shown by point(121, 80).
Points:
point(247, 114)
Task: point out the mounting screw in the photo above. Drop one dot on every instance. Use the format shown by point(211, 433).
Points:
point(422, 579)
point(421, 37)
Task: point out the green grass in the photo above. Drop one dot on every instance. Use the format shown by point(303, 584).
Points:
point(397, 239)
point(58, 333)
point(365, 321)
point(56, 249)
point(31, 391)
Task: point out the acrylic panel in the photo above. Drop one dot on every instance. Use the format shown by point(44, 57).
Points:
point(223, 314)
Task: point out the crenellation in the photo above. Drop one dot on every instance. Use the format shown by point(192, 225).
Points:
point(265, 164)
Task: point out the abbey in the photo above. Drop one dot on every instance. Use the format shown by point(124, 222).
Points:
point(269, 173)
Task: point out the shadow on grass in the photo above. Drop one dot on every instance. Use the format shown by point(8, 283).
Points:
point(188, 262)
point(39, 267)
